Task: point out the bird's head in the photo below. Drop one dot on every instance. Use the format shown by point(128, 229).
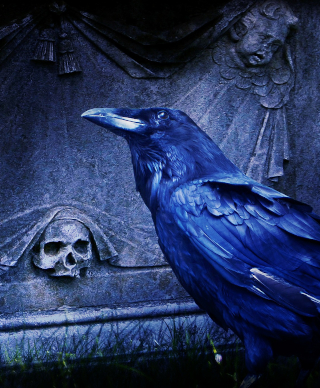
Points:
point(137, 123)
point(166, 146)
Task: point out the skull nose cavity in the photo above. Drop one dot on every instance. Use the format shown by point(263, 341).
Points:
point(70, 260)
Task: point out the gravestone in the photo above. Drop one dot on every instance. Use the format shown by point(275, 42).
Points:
point(78, 247)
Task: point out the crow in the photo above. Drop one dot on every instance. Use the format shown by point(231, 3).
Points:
point(248, 254)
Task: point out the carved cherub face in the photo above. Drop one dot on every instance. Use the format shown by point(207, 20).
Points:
point(258, 45)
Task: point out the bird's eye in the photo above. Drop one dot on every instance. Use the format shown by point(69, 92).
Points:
point(163, 115)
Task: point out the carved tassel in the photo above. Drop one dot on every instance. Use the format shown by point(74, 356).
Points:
point(68, 62)
point(45, 49)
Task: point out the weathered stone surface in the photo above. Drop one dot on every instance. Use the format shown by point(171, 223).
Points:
point(264, 116)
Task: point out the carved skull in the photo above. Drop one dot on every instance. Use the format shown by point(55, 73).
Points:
point(65, 248)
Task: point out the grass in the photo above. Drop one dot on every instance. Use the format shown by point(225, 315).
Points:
point(181, 355)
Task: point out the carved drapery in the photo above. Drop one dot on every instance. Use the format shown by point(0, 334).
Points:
point(241, 105)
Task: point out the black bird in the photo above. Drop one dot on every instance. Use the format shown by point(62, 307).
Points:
point(248, 254)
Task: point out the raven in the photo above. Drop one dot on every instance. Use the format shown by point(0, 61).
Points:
point(248, 254)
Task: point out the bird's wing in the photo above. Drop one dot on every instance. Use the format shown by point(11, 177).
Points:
point(254, 237)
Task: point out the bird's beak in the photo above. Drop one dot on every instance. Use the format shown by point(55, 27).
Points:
point(114, 118)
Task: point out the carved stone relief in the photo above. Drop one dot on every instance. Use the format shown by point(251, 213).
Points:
point(60, 241)
point(142, 54)
point(68, 61)
point(238, 83)
point(133, 245)
point(65, 248)
point(242, 100)
point(253, 69)
point(251, 76)
point(45, 49)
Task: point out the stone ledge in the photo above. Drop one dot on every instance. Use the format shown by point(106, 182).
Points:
point(81, 316)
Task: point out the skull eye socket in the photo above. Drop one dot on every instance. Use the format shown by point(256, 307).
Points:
point(81, 247)
point(163, 115)
point(52, 248)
